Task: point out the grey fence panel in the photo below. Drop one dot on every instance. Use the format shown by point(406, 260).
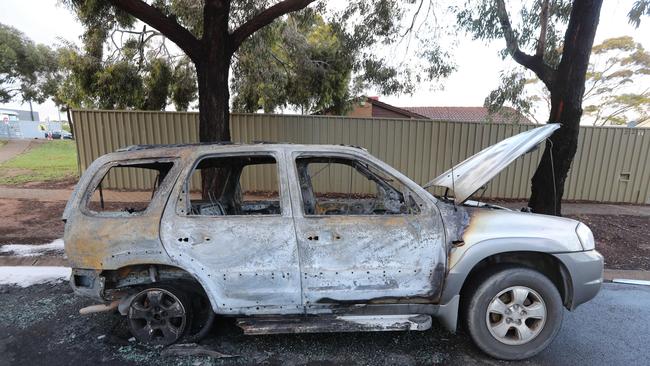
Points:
point(611, 163)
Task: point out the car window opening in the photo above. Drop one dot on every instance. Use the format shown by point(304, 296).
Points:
point(145, 178)
point(234, 185)
point(340, 186)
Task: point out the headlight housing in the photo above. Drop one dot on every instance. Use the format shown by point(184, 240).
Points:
point(586, 237)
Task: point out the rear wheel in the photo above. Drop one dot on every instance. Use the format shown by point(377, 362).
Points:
point(514, 313)
point(159, 315)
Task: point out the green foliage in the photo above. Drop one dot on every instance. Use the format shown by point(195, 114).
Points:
point(316, 59)
point(28, 71)
point(52, 160)
point(481, 19)
point(407, 28)
point(297, 62)
point(512, 90)
point(639, 9)
point(119, 67)
point(156, 84)
point(119, 86)
point(184, 89)
point(618, 66)
point(606, 78)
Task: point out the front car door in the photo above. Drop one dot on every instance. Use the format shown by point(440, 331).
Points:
point(365, 232)
point(237, 236)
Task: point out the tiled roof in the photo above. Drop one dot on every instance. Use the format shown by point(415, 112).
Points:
point(469, 114)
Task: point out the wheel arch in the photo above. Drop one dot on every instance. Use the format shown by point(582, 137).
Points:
point(545, 263)
point(531, 253)
point(150, 274)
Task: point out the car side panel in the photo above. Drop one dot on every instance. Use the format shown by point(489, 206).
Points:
point(113, 240)
point(369, 258)
point(247, 264)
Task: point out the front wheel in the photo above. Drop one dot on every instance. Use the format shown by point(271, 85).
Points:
point(514, 313)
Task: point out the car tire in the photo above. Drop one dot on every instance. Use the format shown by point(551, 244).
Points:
point(514, 313)
point(159, 315)
point(203, 316)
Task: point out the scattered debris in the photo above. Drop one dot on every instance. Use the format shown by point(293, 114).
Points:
point(25, 276)
point(193, 349)
point(99, 308)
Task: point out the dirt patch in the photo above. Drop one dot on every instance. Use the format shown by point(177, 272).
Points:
point(30, 221)
point(623, 240)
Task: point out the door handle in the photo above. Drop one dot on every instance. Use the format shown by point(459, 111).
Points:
point(327, 236)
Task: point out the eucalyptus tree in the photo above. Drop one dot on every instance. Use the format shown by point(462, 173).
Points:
point(553, 39)
point(213, 35)
point(28, 71)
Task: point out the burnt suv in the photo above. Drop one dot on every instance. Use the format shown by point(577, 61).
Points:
point(317, 238)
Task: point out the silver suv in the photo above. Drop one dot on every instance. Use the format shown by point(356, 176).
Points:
point(321, 238)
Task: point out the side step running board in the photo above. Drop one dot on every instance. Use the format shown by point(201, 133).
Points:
point(330, 323)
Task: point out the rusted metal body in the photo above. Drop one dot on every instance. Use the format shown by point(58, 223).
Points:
point(297, 263)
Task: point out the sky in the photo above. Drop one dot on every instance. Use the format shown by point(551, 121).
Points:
point(478, 64)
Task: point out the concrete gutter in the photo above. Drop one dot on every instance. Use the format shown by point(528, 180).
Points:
point(611, 274)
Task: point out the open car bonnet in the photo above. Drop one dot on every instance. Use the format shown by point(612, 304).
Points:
point(477, 170)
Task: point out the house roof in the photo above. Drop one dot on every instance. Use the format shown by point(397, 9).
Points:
point(398, 110)
point(469, 114)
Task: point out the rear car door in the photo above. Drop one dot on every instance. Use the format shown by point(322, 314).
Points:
point(237, 234)
point(364, 233)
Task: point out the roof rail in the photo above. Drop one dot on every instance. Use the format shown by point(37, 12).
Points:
point(155, 146)
point(256, 142)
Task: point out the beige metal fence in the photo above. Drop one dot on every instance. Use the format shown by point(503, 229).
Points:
point(611, 165)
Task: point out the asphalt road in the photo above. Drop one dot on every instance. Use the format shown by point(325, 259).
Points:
point(40, 325)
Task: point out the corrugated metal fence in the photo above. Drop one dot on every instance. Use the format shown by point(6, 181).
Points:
point(611, 165)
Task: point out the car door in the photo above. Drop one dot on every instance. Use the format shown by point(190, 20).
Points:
point(361, 250)
point(244, 249)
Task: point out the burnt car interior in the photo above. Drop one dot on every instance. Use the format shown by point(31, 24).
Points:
point(147, 177)
point(235, 185)
point(363, 190)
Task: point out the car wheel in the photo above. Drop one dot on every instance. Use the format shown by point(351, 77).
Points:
point(514, 313)
point(159, 315)
point(202, 316)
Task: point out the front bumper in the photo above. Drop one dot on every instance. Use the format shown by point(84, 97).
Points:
point(586, 272)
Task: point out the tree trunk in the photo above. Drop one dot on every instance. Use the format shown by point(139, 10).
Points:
point(214, 98)
point(566, 108)
point(70, 123)
point(212, 71)
point(214, 119)
point(31, 110)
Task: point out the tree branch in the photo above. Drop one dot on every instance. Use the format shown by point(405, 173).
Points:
point(165, 25)
point(543, 24)
point(534, 63)
point(265, 18)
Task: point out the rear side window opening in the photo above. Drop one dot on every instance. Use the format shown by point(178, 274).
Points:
point(128, 188)
point(232, 186)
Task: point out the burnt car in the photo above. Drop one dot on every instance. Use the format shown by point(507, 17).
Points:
point(321, 238)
